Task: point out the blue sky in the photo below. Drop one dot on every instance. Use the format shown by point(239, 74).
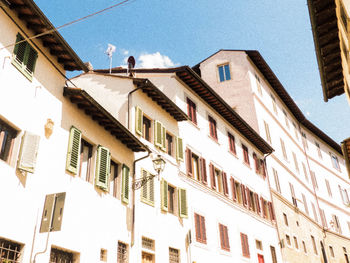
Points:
point(182, 32)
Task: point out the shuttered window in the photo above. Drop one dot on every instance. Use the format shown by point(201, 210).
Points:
point(25, 57)
point(245, 154)
point(212, 128)
point(191, 111)
point(224, 240)
point(267, 132)
point(73, 154)
point(245, 245)
point(164, 195)
point(147, 190)
point(28, 153)
point(256, 163)
point(7, 136)
point(273, 254)
point(271, 211)
point(212, 176)
point(138, 120)
point(103, 163)
point(159, 135)
point(203, 171)
point(224, 182)
point(231, 143)
point(125, 183)
point(183, 209)
point(305, 204)
point(233, 189)
point(277, 181)
point(199, 222)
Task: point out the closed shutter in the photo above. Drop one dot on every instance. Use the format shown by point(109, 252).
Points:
point(203, 171)
point(224, 181)
point(183, 210)
point(197, 223)
point(164, 195)
point(233, 187)
point(245, 245)
point(138, 120)
point(179, 149)
point(244, 196)
point(222, 238)
point(163, 148)
point(189, 164)
point(147, 190)
point(31, 59)
point(158, 130)
point(271, 211)
point(263, 208)
point(262, 168)
point(29, 151)
point(212, 176)
point(103, 163)
point(73, 154)
point(125, 183)
point(58, 211)
point(256, 198)
point(249, 200)
point(203, 230)
point(144, 190)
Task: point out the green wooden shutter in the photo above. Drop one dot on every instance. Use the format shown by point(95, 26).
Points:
point(125, 184)
point(138, 120)
point(31, 59)
point(19, 49)
point(163, 138)
point(28, 153)
point(103, 163)
point(73, 154)
point(183, 203)
point(144, 191)
point(147, 190)
point(164, 195)
point(158, 140)
point(179, 149)
point(151, 191)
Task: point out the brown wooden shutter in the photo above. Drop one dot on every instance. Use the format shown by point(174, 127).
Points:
point(233, 187)
point(203, 231)
point(244, 196)
point(189, 164)
point(212, 176)
point(256, 163)
point(227, 245)
point(222, 238)
point(224, 181)
point(197, 226)
point(258, 208)
point(245, 245)
point(263, 207)
point(272, 212)
point(203, 171)
point(262, 168)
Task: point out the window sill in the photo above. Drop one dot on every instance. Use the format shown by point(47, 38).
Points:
point(232, 153)
point(194, 124)
point(147, 202)
point(247, 164)
point(214, 139)
point(21, 69)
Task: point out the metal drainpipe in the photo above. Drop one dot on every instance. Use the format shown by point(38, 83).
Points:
point(133, 197)
point(272, 202)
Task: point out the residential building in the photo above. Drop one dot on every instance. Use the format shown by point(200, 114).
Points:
point(307, 174)
point(330, 27)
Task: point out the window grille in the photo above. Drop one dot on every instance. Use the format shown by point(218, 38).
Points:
point(122, 253)
point(10, 252)
point(174, 255)
point(147, 243)
point(60, 256)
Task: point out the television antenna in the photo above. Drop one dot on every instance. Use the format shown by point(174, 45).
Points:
point(110, 50)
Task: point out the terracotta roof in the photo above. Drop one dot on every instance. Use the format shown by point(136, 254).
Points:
point(265, 69)
point(92, 108)
point(198, 85)
point(36, 21)
point(327, 44)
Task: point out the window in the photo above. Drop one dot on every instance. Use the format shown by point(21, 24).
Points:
point(336, 224)
point(284, 152)
point(313, 179)
point(224, 72)
point(171, 199)
point(231, 142)
point(147, 190)
point(304, 140)
point(256, 163)
point(304, 246)
point(224, 241)
point(236, 191)
point(296, 162)
point(274, 105)
point(305, 204)
point(174, 255)
point(7, 136)
point(245, 245)
point(258, 84)
point(148, 243)
point(24, 57)
point(344, 195)
point(285, 219)
point(314, 212)
point(328, 188)
point(10, 252)
point(318, 149)
point(200, 228)
point(331, 251)
point(267, 132)
point(103, 255)
point(296, 131)
point(191, 111)
point(292, 193)
point(122, 256)
point(273, 254)
point(147, 257)
point(212, 128)
point(58, 256)
point(245, 154)
point(258, 244)
point(335, 161)
point(125, 183)
point(277, 181)
point(289, 243)
point(196, 166)
point(169, 144)
point(218, 179)
point(113, 184)
point(296, 244)
point(286, 118)
point(146, 128)
point(305, 172)
point(314, 244)
point(85, 160)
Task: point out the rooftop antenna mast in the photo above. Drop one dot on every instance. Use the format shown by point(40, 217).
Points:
point(110, 50)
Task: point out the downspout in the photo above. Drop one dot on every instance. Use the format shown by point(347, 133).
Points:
point(133, 196)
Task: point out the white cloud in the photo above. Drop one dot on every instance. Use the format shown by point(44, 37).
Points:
point(125, 52)
point(155, 60)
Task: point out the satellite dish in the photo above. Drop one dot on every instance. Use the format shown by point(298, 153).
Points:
point(131, 65)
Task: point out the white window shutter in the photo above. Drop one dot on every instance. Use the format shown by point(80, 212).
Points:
point(29, 151)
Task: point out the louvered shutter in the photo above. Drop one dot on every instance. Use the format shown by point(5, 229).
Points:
point(163, 138)
point(203, 230)
point(144, 188)
point(227, 243)
point(272, 212)
point(125, 183)
point(183, 210)
point(222, 238)
point(151, 191)
point(212, 176)
point(158, 130)
point(138, 120)
point(189, 164)
point(258, 208)
point(19, 50)
point(197, 223)
point(103, 163)
point(179, 149)
point(164, 195)
point(262, 168)
point(224, 181)
point(233, 187)
point(31, 58)
point(28, 153)
point(248, 198)
point(244, 196)
point(73, 155)
point(203, 171)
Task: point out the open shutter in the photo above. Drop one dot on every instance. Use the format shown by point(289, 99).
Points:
point(224, 181)
point(164, 195)
point(197, 222)
point(248, 198)
point(212, 176)
point(163, 138)
point(144, 188)
point(28, 153)
point(203, 171)
point(189, 165)
point(203, 230)
point(103, 163)
point(272, 212)
point(222, 238)
point(31, 59)
point(158, 140)
point(73, 154)
point(233, 187)
point(138, 120)
point(125, 184)
point(179, 149)
point(263, 208)
point(262, 168)
point(58, 211)
point(183, 202)
point(256, 198)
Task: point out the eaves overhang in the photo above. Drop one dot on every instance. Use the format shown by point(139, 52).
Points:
point(92, 108)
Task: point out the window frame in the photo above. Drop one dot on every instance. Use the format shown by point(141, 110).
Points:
point(335, 161)
point(199, 222)
point(226, 72)
point(245, 152)
point(7, 144)
point(245, 245)
point(231, 143)
point(213, 133)
point(224, 238)
point(192, 110)
point(147, 129)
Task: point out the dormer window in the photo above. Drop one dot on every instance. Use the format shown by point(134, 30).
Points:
point(224, 72)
